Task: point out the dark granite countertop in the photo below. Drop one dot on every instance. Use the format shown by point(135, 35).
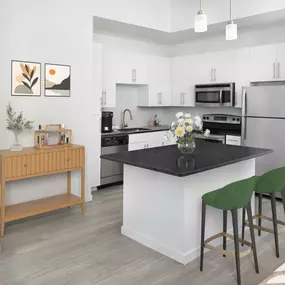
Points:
point(149, 130)
point(169, 160)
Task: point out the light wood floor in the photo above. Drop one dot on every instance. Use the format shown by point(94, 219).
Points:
point(65, 247)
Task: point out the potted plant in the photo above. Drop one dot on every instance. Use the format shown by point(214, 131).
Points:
point(17, 124)
point(184, 131)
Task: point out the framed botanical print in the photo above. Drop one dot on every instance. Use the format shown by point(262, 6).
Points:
point(25, 78)
point(57, 80)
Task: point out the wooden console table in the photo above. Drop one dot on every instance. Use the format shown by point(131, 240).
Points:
point(34, 162)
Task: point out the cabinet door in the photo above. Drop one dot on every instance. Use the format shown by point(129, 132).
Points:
point(280, 61)
point(110, 72)
point(137, 146)
point(263, 63)
point(97, 79)
point(179, 81)
point(160, 81)
point(141, 69)
point(233, 66)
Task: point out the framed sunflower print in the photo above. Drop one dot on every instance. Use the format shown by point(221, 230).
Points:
point(57, 80)
point(25, 78)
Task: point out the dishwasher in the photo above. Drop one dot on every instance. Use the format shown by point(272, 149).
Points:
point(112, 172)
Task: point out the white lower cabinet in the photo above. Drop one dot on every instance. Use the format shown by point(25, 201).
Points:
point(137, 146)
point(149, 140)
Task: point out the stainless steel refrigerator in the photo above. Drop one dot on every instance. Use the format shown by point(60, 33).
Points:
point(263, 124)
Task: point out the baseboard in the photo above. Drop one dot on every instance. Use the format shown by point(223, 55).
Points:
point(177, 256)
point(148, 242)
point(88, 198)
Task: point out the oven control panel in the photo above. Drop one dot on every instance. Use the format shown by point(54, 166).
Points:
point(226, 119)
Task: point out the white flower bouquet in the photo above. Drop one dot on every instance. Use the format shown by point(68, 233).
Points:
point(184, 129)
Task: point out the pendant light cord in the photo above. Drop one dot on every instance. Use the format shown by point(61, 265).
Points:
point(230, 10)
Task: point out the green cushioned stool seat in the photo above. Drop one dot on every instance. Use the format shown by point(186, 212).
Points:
point(235, 195)
point(231, 197)
point(270, 183)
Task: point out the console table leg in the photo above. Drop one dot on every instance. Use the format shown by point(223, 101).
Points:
point(83, 190)
point(3, 189)
point(69, 182)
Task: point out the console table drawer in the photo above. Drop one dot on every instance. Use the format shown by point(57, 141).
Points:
point(42, 163)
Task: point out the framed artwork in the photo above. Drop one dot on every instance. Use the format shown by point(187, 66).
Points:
point(57, 80)
point(25, 78)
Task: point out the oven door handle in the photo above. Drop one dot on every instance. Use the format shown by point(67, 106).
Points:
point(221, 97)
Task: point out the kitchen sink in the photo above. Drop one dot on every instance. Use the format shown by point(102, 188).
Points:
point(127, 130)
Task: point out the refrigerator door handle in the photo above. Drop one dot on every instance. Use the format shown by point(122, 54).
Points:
point(244, 113)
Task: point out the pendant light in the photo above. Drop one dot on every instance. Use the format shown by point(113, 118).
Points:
point(231, 27)
point(201, 21)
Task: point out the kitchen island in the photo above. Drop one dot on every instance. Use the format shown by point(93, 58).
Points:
point(163, 190)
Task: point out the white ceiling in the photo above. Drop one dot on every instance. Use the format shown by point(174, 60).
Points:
point(111, 27)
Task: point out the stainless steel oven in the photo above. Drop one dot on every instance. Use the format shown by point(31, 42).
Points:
point(215, 95)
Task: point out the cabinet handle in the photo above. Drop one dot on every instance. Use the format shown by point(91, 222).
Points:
point(215, 74)
point(105, 98)
point(278, 70)
point(183, 97)
point(25, 165)
point(274, 70)
point(161, 98)
point(135, 79)
point(211, 74)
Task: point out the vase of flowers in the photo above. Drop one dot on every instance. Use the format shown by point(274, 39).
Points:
point(184, 131)
point(17, 124)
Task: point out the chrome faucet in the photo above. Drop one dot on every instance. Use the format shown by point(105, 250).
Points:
point(124, 124)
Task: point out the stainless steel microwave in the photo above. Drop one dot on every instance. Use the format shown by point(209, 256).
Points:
point(215, 95)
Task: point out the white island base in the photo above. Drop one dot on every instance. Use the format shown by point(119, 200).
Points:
point(163, 212)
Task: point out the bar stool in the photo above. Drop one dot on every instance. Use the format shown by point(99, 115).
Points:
point(232, 197)
point(270, 183)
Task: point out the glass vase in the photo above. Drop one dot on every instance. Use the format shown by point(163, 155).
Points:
point(16, 146)
point(187, 147)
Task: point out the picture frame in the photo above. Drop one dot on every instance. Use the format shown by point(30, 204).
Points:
point(57, 80)
point(25, 78)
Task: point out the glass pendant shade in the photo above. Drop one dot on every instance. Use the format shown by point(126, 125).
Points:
point(201, 24)
point(231, 31)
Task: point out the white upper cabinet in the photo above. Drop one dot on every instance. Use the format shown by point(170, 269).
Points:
point(263, 62)
point(218, 67)
point(159, 81)
point(110, 72)
point(280, 72)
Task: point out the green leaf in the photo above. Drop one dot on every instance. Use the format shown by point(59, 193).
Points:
point(27, 68)
point(34, 82)
point(26, 76)
point(32, 74)
point(26, 84)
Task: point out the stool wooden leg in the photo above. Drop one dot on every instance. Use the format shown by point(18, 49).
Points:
point(203, 222)
point(243, 224)
point(225, 223)
point(259, 211)
point(274, 217)
point(250, 221)
point(236, 242)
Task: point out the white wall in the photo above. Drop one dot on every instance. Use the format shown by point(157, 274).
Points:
point(183, 11)
point(153, 14)
point(62, 32)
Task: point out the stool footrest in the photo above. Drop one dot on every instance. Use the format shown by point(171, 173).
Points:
point(225, 252)
point(267, 219)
